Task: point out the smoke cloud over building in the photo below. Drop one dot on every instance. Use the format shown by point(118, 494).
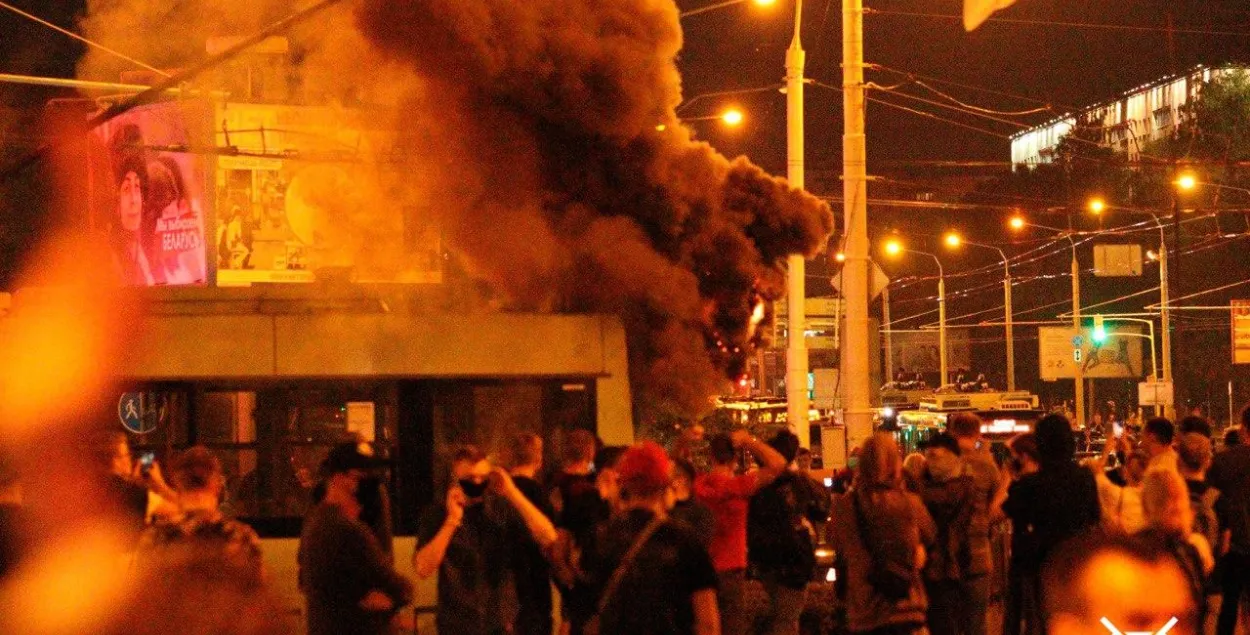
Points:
point(542, 135)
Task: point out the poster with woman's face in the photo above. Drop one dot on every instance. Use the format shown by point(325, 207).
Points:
point(148, 194)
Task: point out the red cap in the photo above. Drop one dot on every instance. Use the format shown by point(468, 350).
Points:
point(645, 469)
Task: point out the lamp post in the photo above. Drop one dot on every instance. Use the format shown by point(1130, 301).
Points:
point(797, 402)
point(1018, 223)
point(895, 248)
point(954, 240)
point(1165, 312)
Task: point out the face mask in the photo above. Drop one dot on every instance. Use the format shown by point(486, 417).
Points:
point(472, 488)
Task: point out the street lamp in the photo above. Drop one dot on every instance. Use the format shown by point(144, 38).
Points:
point(1097, 206)
point(727, 3)
point(894, 248)
point(731, 117)
point(1018, 223)
point(954, 240)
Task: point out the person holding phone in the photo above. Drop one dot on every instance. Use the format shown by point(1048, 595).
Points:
point(469, 543)
point(134, 488)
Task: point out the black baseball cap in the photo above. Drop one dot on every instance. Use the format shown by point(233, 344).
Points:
point(351, 456)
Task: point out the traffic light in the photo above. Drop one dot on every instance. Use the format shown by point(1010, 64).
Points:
point(1100, 331)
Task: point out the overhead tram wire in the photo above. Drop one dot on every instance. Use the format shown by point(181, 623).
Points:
point(1061, 23)
point(968, 292)
point(893, 90)
point(919, 112)
point(973, 87)
point(155, 92)
point(88, 42)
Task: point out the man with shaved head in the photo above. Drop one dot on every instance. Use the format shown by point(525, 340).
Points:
point(1095, 585)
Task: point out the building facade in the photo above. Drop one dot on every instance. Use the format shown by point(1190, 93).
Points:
point(1125, 123)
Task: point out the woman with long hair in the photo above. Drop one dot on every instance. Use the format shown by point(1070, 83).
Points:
point(130, 231)
point(881, 532)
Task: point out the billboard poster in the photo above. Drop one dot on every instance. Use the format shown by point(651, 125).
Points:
point(307, 193)
point(148, 194)
point(1119, 356)
point(920, 352)
point(1241, 331)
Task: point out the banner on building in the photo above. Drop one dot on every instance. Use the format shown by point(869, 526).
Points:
point(333, 204)
point(1241, 331)
point(1119, 355)
point(920, 352)
point(147, 194)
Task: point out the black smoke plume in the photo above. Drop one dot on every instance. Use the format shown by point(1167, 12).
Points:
point(540, 131)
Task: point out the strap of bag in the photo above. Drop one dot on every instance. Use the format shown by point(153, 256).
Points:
point(627, 562)
point(861, 522)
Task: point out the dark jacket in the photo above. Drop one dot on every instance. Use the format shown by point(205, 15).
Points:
point(339, 563)
point(780, 522)
point(959, 512)
point(1054, 504)
point(1230, 473)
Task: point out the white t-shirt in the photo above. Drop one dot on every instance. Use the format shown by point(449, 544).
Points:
point(1121, 506)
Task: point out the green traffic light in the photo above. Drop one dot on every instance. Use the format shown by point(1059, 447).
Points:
point(1100, 335)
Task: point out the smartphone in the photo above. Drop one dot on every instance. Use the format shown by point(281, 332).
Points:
point(145, 462)
point(828, 482)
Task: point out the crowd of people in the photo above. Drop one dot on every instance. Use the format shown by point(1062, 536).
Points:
point(1151, 536)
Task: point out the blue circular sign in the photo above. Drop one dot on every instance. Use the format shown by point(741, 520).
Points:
point(131, 412)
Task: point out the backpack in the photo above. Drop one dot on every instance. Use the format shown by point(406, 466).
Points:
point(892, 554)
point(780, 525)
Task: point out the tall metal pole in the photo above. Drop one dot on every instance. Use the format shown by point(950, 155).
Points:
point(887, 327)
point(1076, 327)
point(942, 323)
point(855, 361)
point(1011, 334)
point(797, 403)
point(1165, 314)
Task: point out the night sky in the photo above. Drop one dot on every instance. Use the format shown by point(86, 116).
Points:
point(743, 47)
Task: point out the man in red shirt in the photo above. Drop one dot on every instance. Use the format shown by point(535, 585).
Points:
point(727, 494)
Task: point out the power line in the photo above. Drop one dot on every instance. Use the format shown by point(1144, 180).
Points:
point(893, 90)
point(63, 31)
point(156, 92)
point(1079, 25)
point(921, 113)
point(991, 91)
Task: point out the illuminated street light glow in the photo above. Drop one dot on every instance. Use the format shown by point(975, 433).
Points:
point(1151, 255)
point(732, 117)
point(953, 240)
point(1017, 223)
point(840, 257)
point(1097, 206)
point(765, 3)
point(893, 247)
point(661, 128)
point(1187, 182)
